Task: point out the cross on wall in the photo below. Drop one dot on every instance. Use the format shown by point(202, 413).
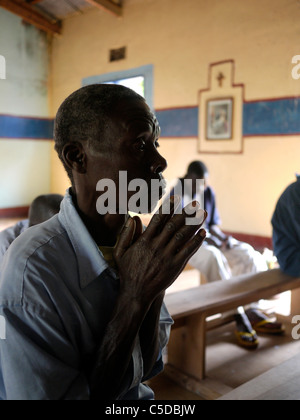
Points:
point(220, 79)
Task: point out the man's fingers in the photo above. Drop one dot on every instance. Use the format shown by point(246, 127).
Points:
point(186, 253)
point(138, 229)
point(164, 213)
point(183, 235)
point(180, 228)
point(125, 239)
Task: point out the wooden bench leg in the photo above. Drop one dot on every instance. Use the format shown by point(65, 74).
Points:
point(195, 346)
point(187, 347)
point(295, 304)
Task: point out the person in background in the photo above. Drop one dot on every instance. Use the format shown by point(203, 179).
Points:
point(41, 209)
point(222, 257)
point(82, 295)
point(286, 230)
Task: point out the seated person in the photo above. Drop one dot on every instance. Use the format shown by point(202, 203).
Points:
point(79, 323)
point(222, 257)
point(41, 209)
point(286, 230)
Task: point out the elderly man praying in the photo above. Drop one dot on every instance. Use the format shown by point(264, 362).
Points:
point(81, 296)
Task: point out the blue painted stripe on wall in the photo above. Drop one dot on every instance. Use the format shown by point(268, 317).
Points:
point(274, 117)
point(12, 127)
point(181, 122)
point(280, 117)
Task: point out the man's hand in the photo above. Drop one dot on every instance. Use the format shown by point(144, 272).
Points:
point(150, 262)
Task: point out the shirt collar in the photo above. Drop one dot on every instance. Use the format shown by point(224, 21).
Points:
point(91, 263)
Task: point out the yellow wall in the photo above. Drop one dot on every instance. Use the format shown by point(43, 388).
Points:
point(181, 38)
point(24, 163)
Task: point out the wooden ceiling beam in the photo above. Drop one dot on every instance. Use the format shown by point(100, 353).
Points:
point(107, 5)
point(25, 11)
point(33, 1)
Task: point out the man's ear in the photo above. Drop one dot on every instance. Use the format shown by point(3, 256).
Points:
point(74, 157)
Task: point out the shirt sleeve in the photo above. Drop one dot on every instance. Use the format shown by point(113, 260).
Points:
point(31, 361)
point(165, 326)
point(286, 231)
point(38, 358)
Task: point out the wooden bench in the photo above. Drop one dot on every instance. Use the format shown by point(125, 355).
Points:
point(191, 308)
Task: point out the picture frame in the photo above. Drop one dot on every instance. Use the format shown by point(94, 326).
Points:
point(219, 119)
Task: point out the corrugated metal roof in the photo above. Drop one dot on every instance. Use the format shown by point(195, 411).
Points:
point(48, 14)
point(61, 9)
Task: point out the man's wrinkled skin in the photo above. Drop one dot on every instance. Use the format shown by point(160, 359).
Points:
point(148, 262)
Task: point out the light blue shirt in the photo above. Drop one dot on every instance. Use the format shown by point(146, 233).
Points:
point(8, 235)
point(57, 294)
point(286, 230)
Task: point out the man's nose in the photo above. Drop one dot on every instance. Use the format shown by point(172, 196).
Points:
point(159, 166)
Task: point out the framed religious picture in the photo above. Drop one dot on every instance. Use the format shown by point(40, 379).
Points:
point(219, 119)
point(220, 112)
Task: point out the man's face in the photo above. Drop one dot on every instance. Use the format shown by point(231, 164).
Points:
point(132, 147)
